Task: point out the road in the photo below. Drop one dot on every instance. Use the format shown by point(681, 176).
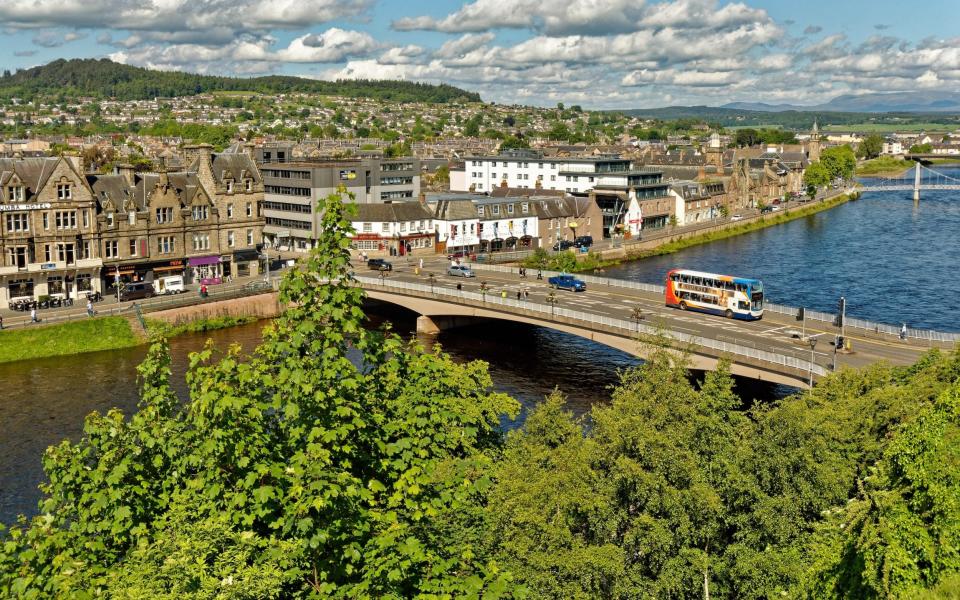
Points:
point(775, 332)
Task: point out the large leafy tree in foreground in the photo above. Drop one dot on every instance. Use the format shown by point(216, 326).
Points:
point(292, 472)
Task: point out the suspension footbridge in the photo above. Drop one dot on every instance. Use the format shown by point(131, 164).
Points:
point(922, 178)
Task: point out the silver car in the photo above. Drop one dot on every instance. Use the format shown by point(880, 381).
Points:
point(460, 271)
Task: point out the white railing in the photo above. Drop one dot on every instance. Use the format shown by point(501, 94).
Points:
point(926, 335)
point(624, 326)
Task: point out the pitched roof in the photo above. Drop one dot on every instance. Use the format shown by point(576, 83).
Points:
point(392, 212)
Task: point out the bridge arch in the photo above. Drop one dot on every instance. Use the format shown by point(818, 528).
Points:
point(437, 315)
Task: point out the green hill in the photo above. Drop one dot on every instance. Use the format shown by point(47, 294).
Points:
point(104, 78)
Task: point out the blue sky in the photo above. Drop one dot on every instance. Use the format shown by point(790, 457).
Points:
point(598, 53)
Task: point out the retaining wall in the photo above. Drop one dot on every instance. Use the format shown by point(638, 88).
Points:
point(262, 306)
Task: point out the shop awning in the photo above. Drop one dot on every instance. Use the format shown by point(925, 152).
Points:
point(162, 269)
point(199, 261)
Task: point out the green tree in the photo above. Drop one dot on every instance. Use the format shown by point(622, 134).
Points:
point(871, 146)
point(289, 472)
point(921, 148)
point(840, 161)
point(817, 175)
point(512, 142)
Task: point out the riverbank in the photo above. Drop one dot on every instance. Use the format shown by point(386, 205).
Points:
point(884, 166)
point(672, 244)
point(62, 339)
point(102, 333)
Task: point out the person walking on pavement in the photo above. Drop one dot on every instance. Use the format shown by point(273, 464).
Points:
point(33, 315)
point(421, 264)
point(903, 332)
point(89, 308)
point(539, 274)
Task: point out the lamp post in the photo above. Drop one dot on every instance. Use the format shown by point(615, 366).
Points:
point(552, 300)
point(813, 344)
point(637, 315)
point(432, 277)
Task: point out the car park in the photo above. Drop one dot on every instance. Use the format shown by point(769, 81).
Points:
point(378, 264)
point(460, 271)
point(567, 282)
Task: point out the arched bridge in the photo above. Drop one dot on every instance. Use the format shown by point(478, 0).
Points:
point(628, 320)
point(922, 178)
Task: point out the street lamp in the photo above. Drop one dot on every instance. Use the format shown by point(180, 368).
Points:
point(432, 277)
point(637, 315)
point(552, 300)
point(813, 344)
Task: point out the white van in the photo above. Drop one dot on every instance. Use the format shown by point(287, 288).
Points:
point(170, 285)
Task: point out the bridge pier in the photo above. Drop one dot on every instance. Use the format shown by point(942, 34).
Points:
point(432, 325)
point(916, 183)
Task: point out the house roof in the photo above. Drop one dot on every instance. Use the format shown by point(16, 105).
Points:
point(392, 212)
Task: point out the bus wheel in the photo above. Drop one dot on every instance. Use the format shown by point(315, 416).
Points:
point(728, 314)
point(683, 305)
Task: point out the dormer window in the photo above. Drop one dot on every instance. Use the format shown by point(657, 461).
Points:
point(509, 209)
point(132, 218)
point(524, 207)
point(15, 193)
point(109, 219)
point(229, 186)
point(200, 213)
point(64, 192)
point(479, 211)
point(249, 185)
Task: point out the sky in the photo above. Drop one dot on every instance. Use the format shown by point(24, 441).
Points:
point(595, 53)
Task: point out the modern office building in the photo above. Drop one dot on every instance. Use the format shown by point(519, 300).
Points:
point(529, 169)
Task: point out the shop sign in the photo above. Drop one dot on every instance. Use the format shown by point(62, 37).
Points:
point(13, 207)
point(48, 266)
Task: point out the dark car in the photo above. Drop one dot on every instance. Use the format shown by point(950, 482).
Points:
point(378, 264)
point(136, 291)
point(766, 209)
point(584, 241)
point(562, 245)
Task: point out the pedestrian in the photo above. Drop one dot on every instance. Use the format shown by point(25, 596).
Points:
point(903, 331)
point(1, 322)
point(518, 294)
point(526, 293)
point(459, 287)
point(89, 308)
point(503, 294)
point(539, 274)
point(33, 315)
point(421, 264)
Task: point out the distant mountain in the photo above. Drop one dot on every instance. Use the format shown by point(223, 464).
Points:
point(913, 102)
point(104, 78)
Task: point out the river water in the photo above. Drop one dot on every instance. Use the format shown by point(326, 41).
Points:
point(885, 255)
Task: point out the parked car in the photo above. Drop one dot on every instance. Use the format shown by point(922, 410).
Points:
point(378, 264)
point(767, 209)
point(736, 218)
point(170, 285)
point(774, 208)
point(583, 241)
point(257, 284)
point(562, 245)
point(567, 282)
point(460, 271)
point(136, 291)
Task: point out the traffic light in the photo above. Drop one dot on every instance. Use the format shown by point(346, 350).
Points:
point(800, 314)
point(841, 312)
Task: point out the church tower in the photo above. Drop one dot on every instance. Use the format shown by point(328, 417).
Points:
point(813, 146)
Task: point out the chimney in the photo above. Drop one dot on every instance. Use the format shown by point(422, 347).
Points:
point(248, 149)
point(76, 160)
point(702, 173)
point(127, 170)
point(163, 180)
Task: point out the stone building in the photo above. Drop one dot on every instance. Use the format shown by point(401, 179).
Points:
point(48, 234)
point(203, 222)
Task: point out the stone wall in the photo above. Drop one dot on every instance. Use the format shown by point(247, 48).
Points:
point(262, 306)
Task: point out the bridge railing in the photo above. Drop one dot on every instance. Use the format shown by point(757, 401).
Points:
point(925, 335)
point(622, 326)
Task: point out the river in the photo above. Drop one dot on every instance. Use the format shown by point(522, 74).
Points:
point(893, 262)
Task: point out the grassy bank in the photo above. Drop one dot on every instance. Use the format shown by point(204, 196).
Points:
point(169, 330)
point(75, 337)
point(765, 221)
point(884, 166)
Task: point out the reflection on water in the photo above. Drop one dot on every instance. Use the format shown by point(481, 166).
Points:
point(45, 401)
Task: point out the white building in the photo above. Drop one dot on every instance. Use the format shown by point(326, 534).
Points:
point(457, 225)
point(506, 223)
point(395, 229)
point(892, 147)
point(527, 169)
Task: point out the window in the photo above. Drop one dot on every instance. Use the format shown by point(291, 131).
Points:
point(524, 207)
point(86, 219)
point(495, 209)
point(286, 190)
point(15, 193)
point(368, 227)
point(493, 175)
point(230, 239)
point(164, 215)
point(46, 221)
point(201, 242)
point(17, 222)
point(165, 244)
point(509, 209)
point(66, 219)
point(110, 249)
point(385, 227)
point(133, 247)
point(249, 209)
point(132, 218)
point(553, 178)
point(47, 253)
point(249, 237)
point(229, 186)
point(249, 185)
point(200, 213)
point(85, 249)
point(64, 192)
point(480, 211)
point(403, 227)
point(230, 210)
